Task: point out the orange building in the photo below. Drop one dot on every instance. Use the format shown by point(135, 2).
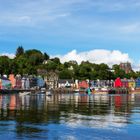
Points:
point(83, 84)
point(12, 80)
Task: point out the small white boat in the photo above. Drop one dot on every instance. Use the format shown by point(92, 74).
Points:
point(97, 88)
point(132, 89)
point(43, 90)
point(24, 93)
point(104, 89)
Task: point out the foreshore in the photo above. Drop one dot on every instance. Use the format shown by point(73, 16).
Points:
point(72, 90)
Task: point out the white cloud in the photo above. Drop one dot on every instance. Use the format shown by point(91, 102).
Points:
point(96, 56)
point(10, 55)
point(136, 66)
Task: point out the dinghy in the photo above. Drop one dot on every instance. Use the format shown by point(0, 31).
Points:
point(24, 93)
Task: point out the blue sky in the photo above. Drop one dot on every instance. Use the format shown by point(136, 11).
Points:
point(60, 26)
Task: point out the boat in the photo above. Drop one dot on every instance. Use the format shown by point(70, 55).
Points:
point(24, 93)
point(43, 90)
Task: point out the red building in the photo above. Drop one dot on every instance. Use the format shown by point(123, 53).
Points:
point(118, 83)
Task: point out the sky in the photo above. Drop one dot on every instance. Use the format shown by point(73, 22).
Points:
point(96, 30)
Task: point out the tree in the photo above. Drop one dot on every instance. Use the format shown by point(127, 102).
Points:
point(85, 70)
point(132, 74)
point(66, 65)
point(28, 62)
point(13, 67)
point(21, 64)
point(20, 51)
point(104, 72)
point(46, 56)
point(51, 66)
point(34, 57)
point(65, 74)
point(56, 60)
point(4, 65)
point(118, 72)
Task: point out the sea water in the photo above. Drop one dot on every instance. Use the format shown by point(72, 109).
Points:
point(70, 117)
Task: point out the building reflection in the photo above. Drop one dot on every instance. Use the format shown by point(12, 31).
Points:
point(12, 102)
point(74, 109)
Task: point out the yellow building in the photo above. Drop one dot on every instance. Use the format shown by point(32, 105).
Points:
point(131, 84)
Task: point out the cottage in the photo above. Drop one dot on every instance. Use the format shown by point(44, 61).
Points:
point(83, 85)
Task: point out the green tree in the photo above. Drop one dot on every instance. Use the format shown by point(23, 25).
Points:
point(65, 74)
point(85, 70)
point(104, 72)
point(56, 60)
point(35, 57)
point(13, 66)
point(19, 51)
point(51, 66)
point(5, 65)
point(118, 72)
point(46, 56)
point(29, 61)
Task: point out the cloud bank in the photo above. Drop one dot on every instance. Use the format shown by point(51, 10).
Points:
point(96, 56)
point(10, 55)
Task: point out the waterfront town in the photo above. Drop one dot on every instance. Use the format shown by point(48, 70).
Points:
point(69, 70)
point(63, 85)
point(32, 70)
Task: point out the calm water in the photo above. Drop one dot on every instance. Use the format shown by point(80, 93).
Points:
point(70, 117)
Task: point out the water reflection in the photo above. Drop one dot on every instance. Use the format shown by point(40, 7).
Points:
point(34, 116)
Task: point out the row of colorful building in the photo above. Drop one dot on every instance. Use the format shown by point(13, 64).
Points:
point(28, 82)
point(127, 83)
point(122, 83)
point(19, 82)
